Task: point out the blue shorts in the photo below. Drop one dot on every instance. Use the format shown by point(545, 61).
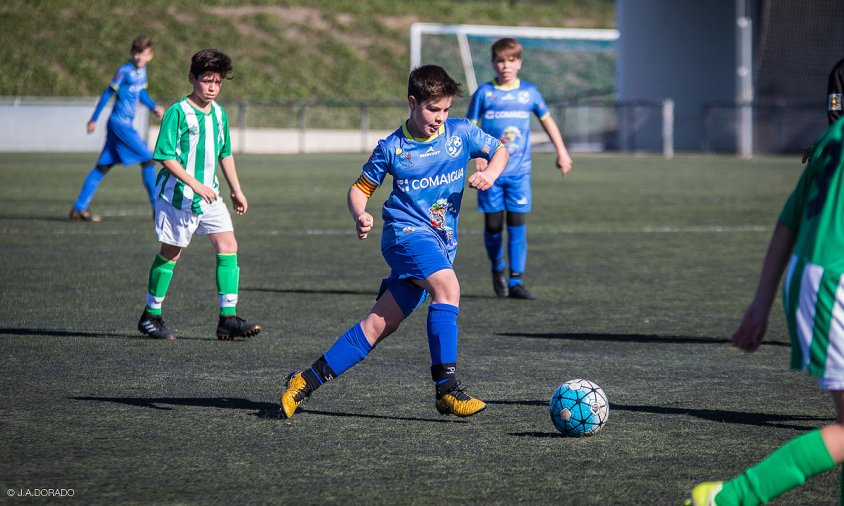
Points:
point(413, 256)
point(510, 193)
point(123, 145)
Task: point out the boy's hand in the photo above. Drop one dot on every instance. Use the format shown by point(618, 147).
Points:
point(480, 180)
point(363, 225)
point(91, 126)
point(159, 112)
point(564, 163)
point(750, 332)
point(239, 202)
point(480, 164)
point(205, 192)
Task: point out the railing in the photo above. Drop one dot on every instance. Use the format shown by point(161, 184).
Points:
point(303, 126)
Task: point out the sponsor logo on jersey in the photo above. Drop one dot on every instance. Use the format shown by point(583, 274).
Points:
point(507, 115)
point(454, 146)
point(835, 101)
point(431, 152)
point(430, 181)
point(508, 96)
point(511, 138)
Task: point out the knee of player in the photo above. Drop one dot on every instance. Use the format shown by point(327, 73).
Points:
point(377, 326)
point(104, 168)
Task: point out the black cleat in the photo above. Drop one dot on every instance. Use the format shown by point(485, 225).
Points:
point(234, 326)
point(152, 325)
point(499, 283)
point(520, 292)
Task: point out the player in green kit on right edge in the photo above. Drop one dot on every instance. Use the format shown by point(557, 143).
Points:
point(808, 245)
point(194, 137)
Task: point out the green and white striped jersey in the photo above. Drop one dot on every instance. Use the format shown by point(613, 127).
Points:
point(197, 141)
point(815, 209)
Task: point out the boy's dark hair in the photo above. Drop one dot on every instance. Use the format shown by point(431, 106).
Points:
point(431, 81)
point(140, 43)
point(507, 47)
point(211, 60)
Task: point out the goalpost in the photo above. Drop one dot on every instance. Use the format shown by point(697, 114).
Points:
point(575, 69)
point(474, 41)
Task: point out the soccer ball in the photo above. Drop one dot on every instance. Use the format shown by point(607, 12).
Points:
point(579, 408)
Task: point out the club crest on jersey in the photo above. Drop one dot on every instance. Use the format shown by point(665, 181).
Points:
point(523, 97)
point(835, 101)
point(454, 146)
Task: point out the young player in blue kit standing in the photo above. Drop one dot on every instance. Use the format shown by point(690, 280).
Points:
point(427, 157)
point(503, 109)
point(123, 144)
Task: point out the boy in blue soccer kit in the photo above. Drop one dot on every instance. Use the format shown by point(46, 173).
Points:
point(503, 109)
point(123, 144)
point(426, 157)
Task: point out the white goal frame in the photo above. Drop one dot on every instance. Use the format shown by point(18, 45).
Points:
point(462, 31)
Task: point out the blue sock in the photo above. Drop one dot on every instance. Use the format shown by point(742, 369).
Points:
point(89, 187)
point(494, 249)
point(148, 175)
point(442, 335)
point(517, 249)
point(348, 350)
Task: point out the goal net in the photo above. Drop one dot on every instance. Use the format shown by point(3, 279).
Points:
point(574, 69)
point(564, 63)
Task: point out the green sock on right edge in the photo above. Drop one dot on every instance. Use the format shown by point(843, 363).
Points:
point(788, 467)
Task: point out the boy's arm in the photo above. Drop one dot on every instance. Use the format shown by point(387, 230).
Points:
point(182, 175)
point(229, 171)
point(356, 201)
point(563, 158)
point(750, 332)
point(104, 98)
point(147, 101)
point(483, 179)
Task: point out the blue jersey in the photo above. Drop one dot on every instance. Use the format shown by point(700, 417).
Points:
point(428, 178)
point(129, 84)
point(505, 114)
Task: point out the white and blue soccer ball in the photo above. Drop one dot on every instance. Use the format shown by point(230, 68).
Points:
point(579, 408)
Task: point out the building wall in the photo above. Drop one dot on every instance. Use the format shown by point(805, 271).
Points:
point(678, 49)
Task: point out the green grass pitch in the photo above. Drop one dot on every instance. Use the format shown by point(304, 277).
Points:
point(642, 267)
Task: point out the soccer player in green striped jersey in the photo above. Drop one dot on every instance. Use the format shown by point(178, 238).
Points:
point(808, 245)
point(194, 136)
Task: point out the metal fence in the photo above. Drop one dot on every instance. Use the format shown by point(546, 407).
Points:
point(304, 126)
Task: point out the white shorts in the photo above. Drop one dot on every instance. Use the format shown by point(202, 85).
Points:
point(176, 227)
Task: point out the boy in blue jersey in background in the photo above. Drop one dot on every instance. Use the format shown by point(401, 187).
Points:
point(426, 157)
point(503, 109)
point(123, 144)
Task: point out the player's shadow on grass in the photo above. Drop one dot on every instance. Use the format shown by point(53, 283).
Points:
point(334, 291)
point(7, 331)
point(712, 415)
point(264, 410)
point(630, 338)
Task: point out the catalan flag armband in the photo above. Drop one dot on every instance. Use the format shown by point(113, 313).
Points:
point(365, 185)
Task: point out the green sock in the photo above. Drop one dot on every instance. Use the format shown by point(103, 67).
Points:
point(788, 467)
point(228, 278)
point(160, 275)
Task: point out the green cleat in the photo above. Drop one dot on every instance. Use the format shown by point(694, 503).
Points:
point(703, 494)
point(457, 402)
point(297, 391)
